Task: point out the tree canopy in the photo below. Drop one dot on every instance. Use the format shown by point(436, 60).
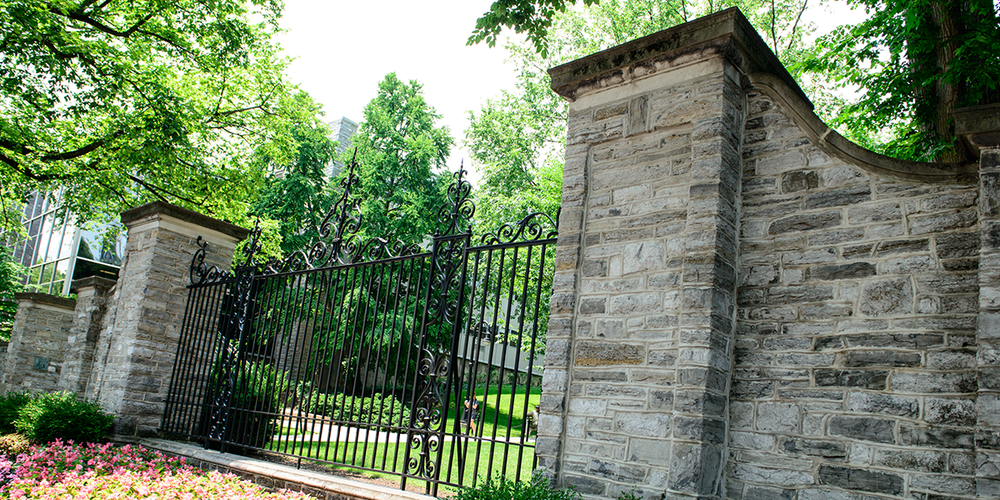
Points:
point(297, 195)
point(914, 61)
point(122, 103)
point(401, 155)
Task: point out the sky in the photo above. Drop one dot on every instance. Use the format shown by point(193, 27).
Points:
point(341, 50)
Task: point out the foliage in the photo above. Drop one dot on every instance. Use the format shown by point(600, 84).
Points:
point(122, 103)
point(624, 20)
point(14, 444)
point(256, 398)
point(295, 197)
point(913, 62)
point(10, 283)
point(377, 409)
point(60, 415)
point(67, 470)
point(10, 405)
point(501, 488)
point(400, 156)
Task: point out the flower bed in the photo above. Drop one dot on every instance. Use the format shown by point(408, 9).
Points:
point(103, 471)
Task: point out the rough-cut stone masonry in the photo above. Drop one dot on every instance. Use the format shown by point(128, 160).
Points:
point(88, 316)
point(37, 346)
point(748, 307)
point(138, 344)
point(855, 365)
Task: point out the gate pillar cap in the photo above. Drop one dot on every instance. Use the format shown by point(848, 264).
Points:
point(95, 282)
point(160, 211)
point(728, 32)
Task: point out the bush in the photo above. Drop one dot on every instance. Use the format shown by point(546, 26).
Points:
point(500, 488)
point(14, 444)
point(377, 409)
point(60, 415)
point(10, 404)
point(254, 405)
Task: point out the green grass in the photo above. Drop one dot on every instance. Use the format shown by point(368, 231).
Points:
point(501, 414)
point(391, 457)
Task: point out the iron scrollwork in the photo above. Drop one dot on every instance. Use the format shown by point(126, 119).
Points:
point(234, 331)
point(456, 215)
point(534, 227)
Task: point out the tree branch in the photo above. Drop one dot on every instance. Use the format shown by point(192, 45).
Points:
point(791, 36)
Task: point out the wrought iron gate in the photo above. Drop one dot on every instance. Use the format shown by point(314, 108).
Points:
point(371, 355)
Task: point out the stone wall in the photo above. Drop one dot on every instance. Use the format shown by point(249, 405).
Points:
point(855, 364)
point(37, 345)
point(748, 306)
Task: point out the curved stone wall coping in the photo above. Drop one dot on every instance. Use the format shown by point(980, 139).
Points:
point(730, 33)
point(833, 143)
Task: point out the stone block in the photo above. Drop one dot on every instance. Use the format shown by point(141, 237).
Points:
point(869, 379)
point(839, 197)
point(695, 469)
point(935, 437)
point(886, 297)
point(883, 404)
point(861, 479)
point(873, 429)
point(589, 353)
point(778, 417)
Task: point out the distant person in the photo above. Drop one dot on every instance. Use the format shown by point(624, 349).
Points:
point(472, 412)
point(533, 422)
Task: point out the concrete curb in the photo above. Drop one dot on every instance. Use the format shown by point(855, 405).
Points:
point(273, 475)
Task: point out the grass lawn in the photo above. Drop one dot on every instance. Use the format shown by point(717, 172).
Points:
point(499, 431)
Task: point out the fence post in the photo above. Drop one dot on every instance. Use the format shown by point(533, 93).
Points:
point(136, 351)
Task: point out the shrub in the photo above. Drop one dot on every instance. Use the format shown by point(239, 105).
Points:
point(377, 409)
point(60, 415)
point(14, 444)
point(10, 405)
point(499, 488)
point(254, 403)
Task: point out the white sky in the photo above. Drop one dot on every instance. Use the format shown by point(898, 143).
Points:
point(343, 49)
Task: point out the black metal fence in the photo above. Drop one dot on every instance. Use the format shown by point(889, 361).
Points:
point(374, 356)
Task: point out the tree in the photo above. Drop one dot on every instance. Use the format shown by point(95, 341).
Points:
point(296, 196)
point(401, 158)
point(10, 283)
point(121, 103)
point(914, 62)
point(621, 21)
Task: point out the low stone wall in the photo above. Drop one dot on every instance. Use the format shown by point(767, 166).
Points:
point(37, 345)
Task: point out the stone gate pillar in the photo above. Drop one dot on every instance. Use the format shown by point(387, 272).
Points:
point(980, 128)
point(138, 345)
point(640, 342)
